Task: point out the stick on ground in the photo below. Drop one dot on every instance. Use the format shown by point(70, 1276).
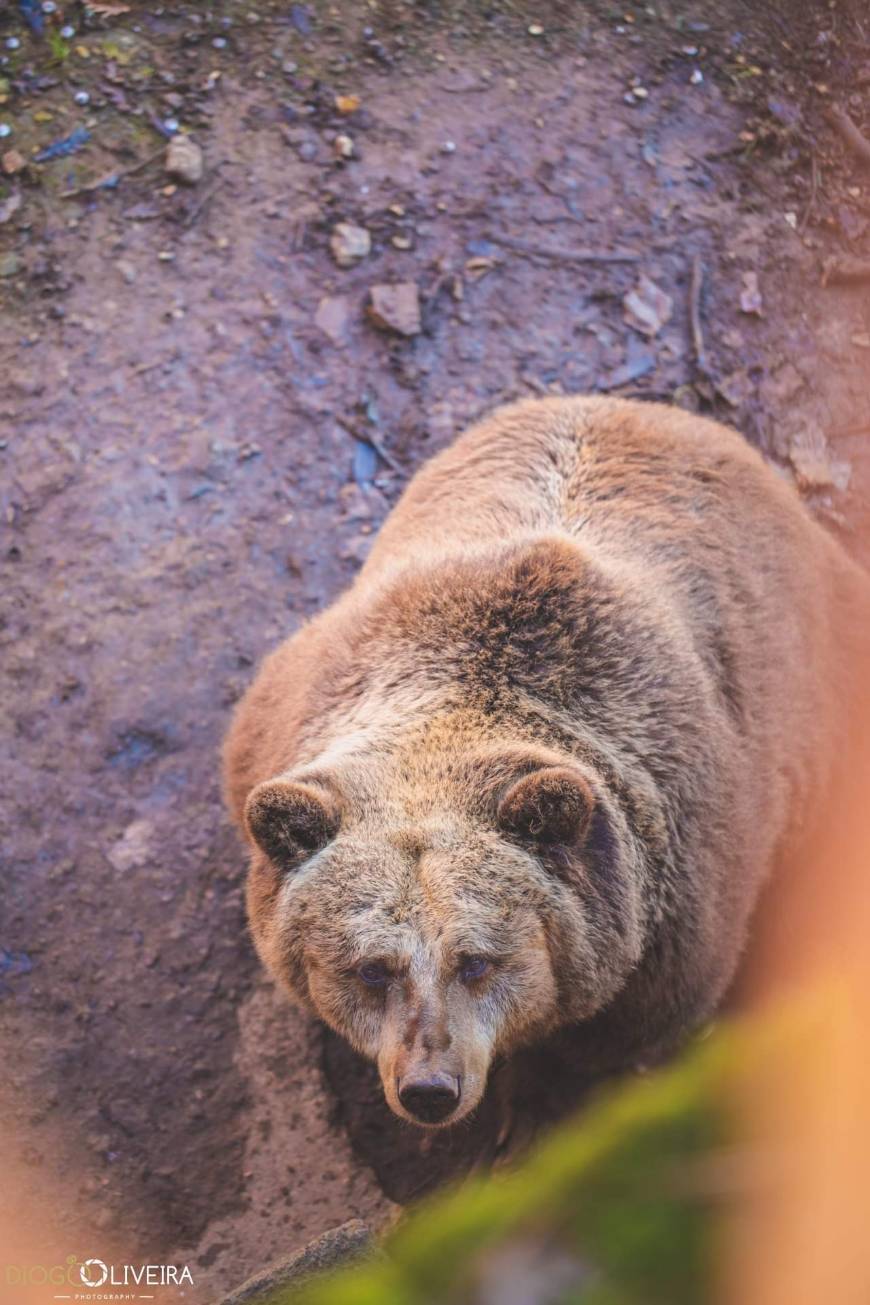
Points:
point(852, 135)
point(695, 287)
point(845, 271)
point(561, 255)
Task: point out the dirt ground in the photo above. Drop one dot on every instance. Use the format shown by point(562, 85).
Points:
point(191, 391)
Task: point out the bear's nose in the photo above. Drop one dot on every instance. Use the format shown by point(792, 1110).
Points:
point(430, 1099)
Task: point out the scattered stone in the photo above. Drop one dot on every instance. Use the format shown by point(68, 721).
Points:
point(333, 318)
point(814, 467)
point(9, 207)
point(347, 103)
point(133, 848)
point(751, 301)
point(735, 387)
point(395, 308)
point(10, 264)
point(13, 162)
point(343, 146)
point(349, 244)
point(184, 160)
point(647, 307)
point(127, 270)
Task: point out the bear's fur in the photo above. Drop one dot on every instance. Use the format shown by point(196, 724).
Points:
point(528, 775)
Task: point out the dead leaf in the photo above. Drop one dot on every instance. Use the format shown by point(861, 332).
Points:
point(347, 103)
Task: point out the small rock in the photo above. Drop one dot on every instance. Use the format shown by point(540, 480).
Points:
point(133, 848)
point(184, 160)
point(815, 469)
point(751, 301)
point(9, 207)
point(343, 146)
point(349, 244)
point(647, 307)
point(10, 264)
point(333, 318)
point(395, 308)
point(735, 387)
point(13, 162)
point(127, 270)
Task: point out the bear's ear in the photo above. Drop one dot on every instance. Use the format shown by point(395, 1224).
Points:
point(551, 805)
point(290, 822)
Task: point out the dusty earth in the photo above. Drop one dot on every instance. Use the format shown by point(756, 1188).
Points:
point(191, 394)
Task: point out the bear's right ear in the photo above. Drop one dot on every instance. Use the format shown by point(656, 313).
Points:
point(290, 822)
point(552, 805)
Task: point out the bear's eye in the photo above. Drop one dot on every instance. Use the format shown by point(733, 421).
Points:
point(374, 973)
point(474, 967)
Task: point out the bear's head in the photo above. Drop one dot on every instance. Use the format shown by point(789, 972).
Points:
point(440, 917)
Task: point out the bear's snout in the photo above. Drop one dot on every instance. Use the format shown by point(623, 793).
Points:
point(430, 1099)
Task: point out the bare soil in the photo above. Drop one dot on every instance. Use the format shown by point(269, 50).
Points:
point(187, 474)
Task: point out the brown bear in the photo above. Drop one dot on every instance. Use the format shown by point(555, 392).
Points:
point(528, 775)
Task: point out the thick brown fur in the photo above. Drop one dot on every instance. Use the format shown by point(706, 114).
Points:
point(589, 687)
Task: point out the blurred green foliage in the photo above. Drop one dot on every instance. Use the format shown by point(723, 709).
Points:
point(622, 1192)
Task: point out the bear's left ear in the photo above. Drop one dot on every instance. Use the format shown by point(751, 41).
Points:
point(551, 805)
point(290, 822)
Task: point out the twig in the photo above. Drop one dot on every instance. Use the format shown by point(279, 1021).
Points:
point(149, 367)
point(848, 432)
point(853, 137)
point(695, 287)
point(102, 182)
point(561, 255)
point(369, 437)
point(845, 271)
point(204, 199)
point(466, 90)
point(811, 202)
